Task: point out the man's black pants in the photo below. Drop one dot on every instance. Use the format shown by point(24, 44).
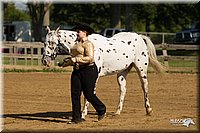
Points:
point(84, 80)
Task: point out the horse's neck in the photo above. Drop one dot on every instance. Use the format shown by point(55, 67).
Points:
point(68, 38)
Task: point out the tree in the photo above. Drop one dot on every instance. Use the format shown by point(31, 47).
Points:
point(37, 12)
point(197, 7)
point(144, 14)
point(128, 17)
point(97, 15)
point(115, 15)
point(12, 14)
point(175, 17)
point(136, 17)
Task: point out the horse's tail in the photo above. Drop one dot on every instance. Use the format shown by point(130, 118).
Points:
point(152, 55)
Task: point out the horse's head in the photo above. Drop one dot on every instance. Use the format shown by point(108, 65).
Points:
point(50, 46)
point(55, 40)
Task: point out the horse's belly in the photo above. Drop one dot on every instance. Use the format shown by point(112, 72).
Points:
point(113, 66)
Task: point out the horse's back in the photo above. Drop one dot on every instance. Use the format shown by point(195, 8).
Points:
point(117, 53)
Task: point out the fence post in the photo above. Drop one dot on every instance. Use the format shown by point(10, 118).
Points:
point(165, 55)
point(25, 53)
point(31, 55)
point(163, 38)
point(11, 52)
point(15, 52)
point(164, 51)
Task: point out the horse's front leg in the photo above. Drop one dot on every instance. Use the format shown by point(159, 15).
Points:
point(121, 79)
point(85, 108)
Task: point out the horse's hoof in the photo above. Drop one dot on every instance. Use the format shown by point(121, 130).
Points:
point(83, 116)
point(117, 113)
point(149, 111)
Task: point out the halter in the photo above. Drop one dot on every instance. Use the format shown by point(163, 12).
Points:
point(60, 47)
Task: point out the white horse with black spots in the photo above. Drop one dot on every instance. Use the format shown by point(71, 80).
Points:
point(115, 55)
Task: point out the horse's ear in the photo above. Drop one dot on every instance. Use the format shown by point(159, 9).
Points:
point(48, 29)
point(57, 30)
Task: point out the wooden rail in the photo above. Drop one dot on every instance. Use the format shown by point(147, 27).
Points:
point(23, 50)
point(165, 47)
point(33, 51)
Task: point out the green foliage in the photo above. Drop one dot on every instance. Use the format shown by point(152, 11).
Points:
point(97, 15)
point(174, 17)
point(163, 17)
point(13, 14)
point(144, 17)
point(154, 17)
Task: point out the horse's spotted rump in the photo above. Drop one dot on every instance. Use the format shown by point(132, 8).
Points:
point(143, 54)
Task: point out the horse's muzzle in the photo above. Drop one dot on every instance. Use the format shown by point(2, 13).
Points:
point(46, 60)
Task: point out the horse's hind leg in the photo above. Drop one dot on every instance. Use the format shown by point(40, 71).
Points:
point(121, 79)
point(85, 108)
point(142, 72)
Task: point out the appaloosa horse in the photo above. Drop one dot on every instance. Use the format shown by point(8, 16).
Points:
point(115, 55)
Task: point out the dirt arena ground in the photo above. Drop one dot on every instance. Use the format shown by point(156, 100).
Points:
point(41, 102)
